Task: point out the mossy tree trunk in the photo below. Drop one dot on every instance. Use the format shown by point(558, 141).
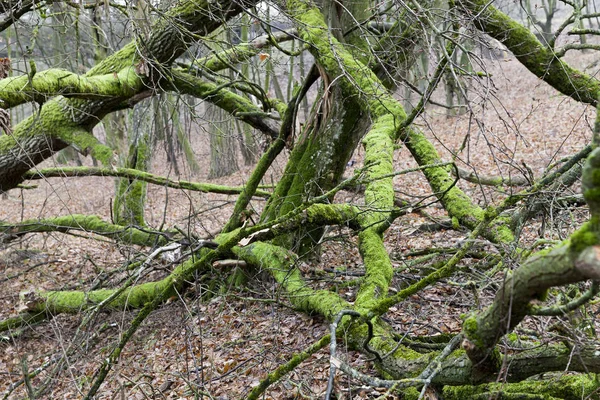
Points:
point(328, 138)
point(130, 194)
point(355, 107)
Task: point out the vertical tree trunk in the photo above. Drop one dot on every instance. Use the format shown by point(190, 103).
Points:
point(223, 142)
point(130, 196)
point(223, 137)
point(326, 143)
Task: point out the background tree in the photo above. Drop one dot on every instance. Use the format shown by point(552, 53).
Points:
point(309, 229)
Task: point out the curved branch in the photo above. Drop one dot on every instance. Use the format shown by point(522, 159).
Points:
point(511, 304)
point(488, 180)
point(537, 58)
point(50, 130)
point(238, 106)
point(243, 51)
point(562, 309)
point(53, 82)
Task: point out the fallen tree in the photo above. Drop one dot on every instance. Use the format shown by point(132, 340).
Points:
point(488, 357)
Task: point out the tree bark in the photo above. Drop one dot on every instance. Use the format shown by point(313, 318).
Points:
point(63, 121)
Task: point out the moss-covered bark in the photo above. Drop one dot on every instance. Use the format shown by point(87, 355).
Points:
point(137, 296)
point(456, 202)
point(238, 106)
point(87, 223)
point(538, 59)
point(567, 387)
point(54, 82)
point(324, 146)
point(356, 81)
point(280, 264)
point(575, 260)
point(139, 175)
point(561, 266)
point(62, 121)
point(400, 362)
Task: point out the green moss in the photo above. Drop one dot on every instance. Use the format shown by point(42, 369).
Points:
point(280, 264)
point(566, 387)
point(540, 60)
point(584, 237)
point(471, 330)
point(384, 345)
point(470, 325)
point(454, 200)
point(411, 394)
point(52, 82)
point(455, 223)
point(74, 301)
point(343, 214)
point(378, 270)
point(92, 224)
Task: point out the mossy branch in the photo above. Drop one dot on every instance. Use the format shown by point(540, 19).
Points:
point(288, 367)
point(562, 309)
point(456, 202)
point(530, 281)
point(537, 58)
point(51, 129)
point(356, 79)
point(242, 52)
point(238, 106)
point(575, 260)
point(86, 223)
point(566, 387)
point(235, 221)
point(488, 180)
point(135, 297)
point(54, 82)
point(130, 173)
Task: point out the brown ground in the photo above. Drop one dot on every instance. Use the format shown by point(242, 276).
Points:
point(223, 345)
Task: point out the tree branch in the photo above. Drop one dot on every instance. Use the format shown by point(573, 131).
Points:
point(65, 172)
point(537, 58)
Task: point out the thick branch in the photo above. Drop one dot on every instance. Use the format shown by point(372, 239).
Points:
point(53, 82)
point(529, 282)
point(85, 223)
point(53, 128)
point(401, 362)
point(238, 106)
point(356, 79)
point(537, 58)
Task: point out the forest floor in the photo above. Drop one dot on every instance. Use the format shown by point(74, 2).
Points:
point(220, 342)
